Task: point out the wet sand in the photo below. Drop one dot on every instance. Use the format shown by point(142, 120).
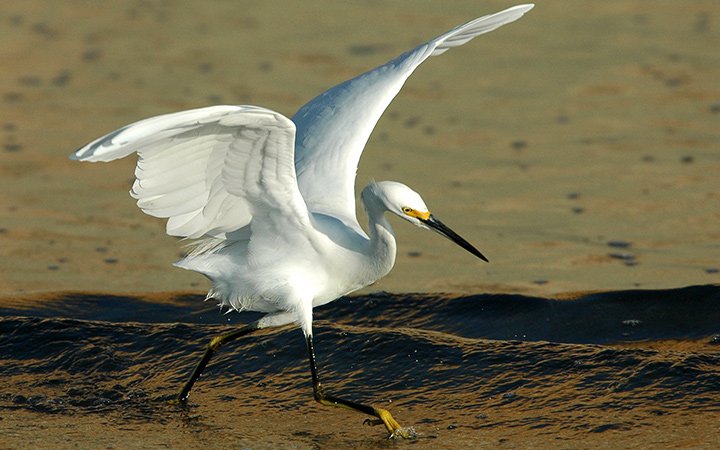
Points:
point(578, 148)
point(609, 370)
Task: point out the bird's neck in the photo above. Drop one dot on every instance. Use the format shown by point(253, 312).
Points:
point(382, 242)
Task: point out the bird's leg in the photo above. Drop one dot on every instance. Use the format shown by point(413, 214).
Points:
point(383, 416)
point(213, 346)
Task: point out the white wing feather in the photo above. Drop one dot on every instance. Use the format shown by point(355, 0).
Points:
point(333, 128)
point(210, 171)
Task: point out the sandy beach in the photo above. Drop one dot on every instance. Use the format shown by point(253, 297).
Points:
point(577, 149)
point(545, 143)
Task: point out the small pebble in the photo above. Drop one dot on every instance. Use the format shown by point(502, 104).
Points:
point(674, 82)
point(91, 54)
point(11, 97)
point(622, 256)
point(366, 49)
point(410, 122)
point(562, 119)
point(43, 29)
point(702, 22)
point(61, 79)
point(619, 244)
point(12, 147)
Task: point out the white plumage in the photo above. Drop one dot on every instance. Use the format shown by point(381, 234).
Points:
point(272, 200)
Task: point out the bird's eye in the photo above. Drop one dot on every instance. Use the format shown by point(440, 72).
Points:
point(407, 210)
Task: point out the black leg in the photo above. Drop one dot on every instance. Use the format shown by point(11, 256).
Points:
point(384, 417)
point(212, 347)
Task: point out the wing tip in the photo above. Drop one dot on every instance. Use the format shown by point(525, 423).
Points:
point(525, 6)
point(82, 155)
point(515, 12)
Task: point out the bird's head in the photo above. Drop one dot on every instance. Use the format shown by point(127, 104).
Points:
point(408, 205)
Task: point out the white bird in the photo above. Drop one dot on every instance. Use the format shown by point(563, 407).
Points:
point(272, 202)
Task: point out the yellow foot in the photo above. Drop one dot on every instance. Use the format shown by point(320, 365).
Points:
point(177, 402)
point(396, 431)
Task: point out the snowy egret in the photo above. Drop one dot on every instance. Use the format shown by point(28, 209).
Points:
point(271, 201)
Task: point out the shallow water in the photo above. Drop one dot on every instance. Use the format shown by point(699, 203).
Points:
point(627, 366)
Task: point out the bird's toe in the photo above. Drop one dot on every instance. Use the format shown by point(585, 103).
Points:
point(396, 431)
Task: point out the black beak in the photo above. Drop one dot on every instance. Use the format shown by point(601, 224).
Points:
point(444, 230)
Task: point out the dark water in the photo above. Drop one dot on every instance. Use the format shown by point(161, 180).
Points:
point(600, 362)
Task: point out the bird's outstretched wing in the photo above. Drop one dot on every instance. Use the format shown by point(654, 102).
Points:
point(333, 128)
point(210, 171)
